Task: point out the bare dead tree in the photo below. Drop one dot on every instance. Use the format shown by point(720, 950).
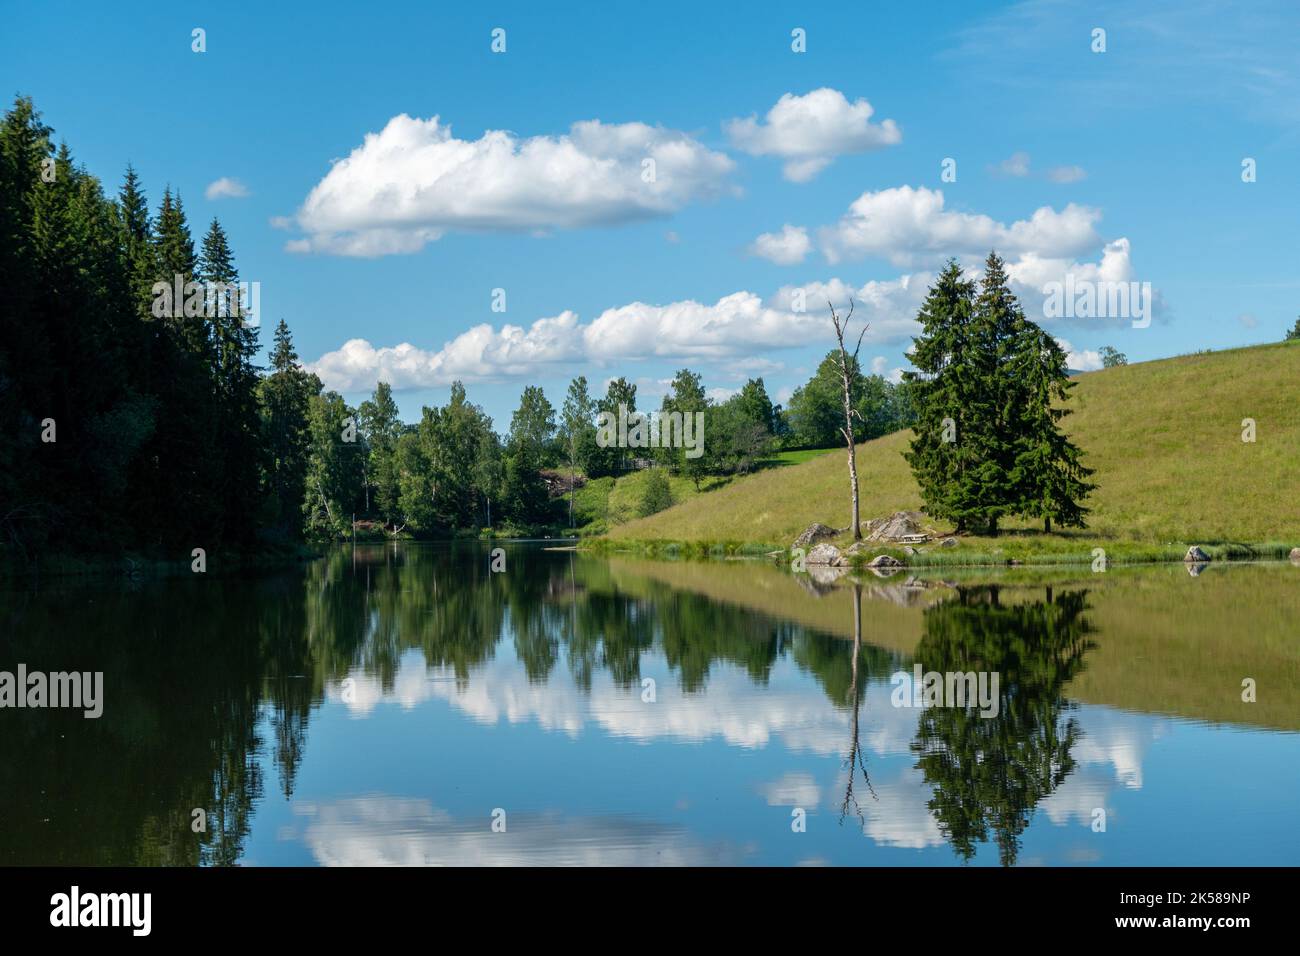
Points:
point(856, 758)
point(847, 366)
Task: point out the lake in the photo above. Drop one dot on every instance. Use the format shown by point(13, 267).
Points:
point(405, 704)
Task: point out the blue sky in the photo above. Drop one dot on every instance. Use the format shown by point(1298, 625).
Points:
point(1124, 164)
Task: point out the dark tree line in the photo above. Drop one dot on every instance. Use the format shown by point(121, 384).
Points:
point(122, 427)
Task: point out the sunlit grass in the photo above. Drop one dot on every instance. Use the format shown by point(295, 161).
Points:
point(1164, 437)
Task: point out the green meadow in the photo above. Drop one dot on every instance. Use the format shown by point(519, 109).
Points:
point(1165, 439)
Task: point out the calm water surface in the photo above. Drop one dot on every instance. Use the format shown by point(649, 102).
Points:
point(381, 705)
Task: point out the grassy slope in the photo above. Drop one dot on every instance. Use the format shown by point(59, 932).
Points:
point(613, 501)
point(1164, 438)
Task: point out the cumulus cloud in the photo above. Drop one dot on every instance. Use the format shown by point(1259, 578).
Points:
point(733, 331)
point(788, 247)
point(888, 306)
point(1081, 360)
point(908, 225)
point(413, 181)
point(481, 353)
point(809, 131)
point(226, 188)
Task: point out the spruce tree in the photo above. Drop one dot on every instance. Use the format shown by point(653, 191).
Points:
point(944, 389)
point(235, 425)
point(986, 490)
point(285, 395)
point(1049, 475)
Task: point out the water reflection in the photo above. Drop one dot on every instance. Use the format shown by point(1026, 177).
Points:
point(621, 711)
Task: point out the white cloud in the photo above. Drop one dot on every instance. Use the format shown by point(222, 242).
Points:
point(908, 225)
point(1017, 165)
point(735, 325)
point(888, 306)
point(792, 790)
point(479, 354)
point(787, 248)
point(1081, 360)
point(809, 131)
point(386, 830)
point(729, 331)
point(1066, 174)
point(413, 181)
point(226, 188)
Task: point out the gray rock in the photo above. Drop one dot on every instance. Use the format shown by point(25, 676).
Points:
point(895, 527)
point(882, 561)
point(812, 534)
point(1295, 555)
point(948, 543)
point(1196, 555)
point(826, 555)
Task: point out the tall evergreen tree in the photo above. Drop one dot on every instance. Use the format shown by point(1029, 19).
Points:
point(1049, 474)
point(987, 442)
point(235, 423)
point(285, 395)
point(942, 387)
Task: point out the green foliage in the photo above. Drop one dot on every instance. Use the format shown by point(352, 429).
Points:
point(657, 494)
point(335, 467)
point(381, 429)
point(1111, 357)
point(284, 397)
point(816, 411)
point(611, 460)
point(685, 399)
point(987, 392)
point(1293, 333)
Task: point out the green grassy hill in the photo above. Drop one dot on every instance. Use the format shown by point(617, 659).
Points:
point(1165, 439)
point(604, 503)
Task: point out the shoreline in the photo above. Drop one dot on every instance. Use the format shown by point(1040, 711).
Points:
point(1019, 553)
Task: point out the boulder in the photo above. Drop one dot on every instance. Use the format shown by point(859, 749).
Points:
point(882, 561)
point(1195, 555)
point(895, 527)
point(825, 555)
point(948, 543)
point(1295, 555)
point(812, 534)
